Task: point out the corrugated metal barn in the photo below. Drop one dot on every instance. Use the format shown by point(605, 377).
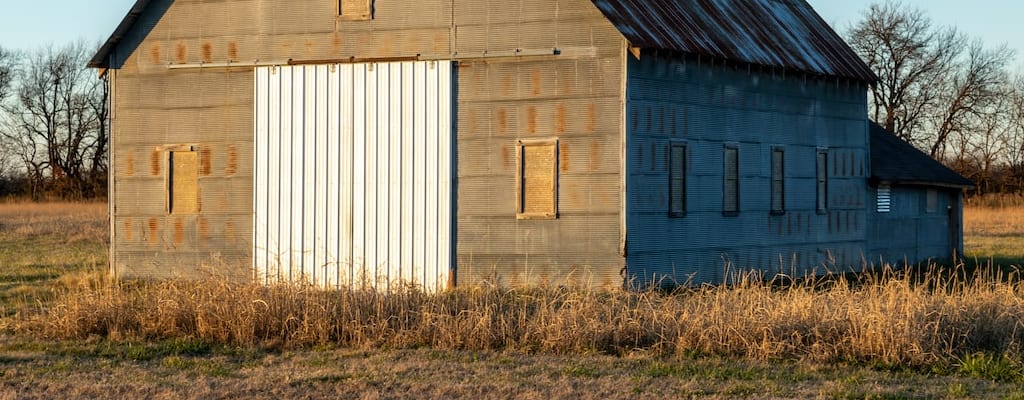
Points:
point(456, 142)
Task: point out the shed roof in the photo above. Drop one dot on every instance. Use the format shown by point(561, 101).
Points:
point(896, 161)
point(787, 34)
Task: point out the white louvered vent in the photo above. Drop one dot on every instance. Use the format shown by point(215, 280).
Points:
point(884, 199)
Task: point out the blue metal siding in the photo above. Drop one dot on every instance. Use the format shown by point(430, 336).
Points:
point(909, 233)
point(709, 106)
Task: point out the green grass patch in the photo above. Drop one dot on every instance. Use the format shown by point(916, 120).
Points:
point(998, 368)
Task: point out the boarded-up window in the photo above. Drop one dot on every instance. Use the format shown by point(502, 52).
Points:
point(355, 10)
point(778, 181)
point(537, 191)
point(884, 199)
point(731, 181)
point(677, 180)
point(183, 182)
point(932, 201)
point(822, 181)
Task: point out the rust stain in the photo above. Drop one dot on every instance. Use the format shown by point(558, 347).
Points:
point(181, 52)
point(179, 231)
point(535, 82)
point(207, 51)
point(441, 41)
point(654, 156)
point(502, 120)
point(336, 42)
point(309, 45)
point(128, 234)
point(477, 79)
point(595, 156)
point(506, 157)
point(232, 167)
point(129, 163)
point(154, 53)
point(229, 231)
point(232, 51)
point(563, 151)
point(154, 163)
point(472, 122)
point(531, 120)
point(204, 229)
point(591, 118)
point(205, 158)
point(154, 229)
point(387, 45)
point(560, 118)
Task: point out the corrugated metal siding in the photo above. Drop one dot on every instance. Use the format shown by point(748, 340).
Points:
point(353, 179)
point(150, 118)
point(909, 232)
point(574, 99)
point(787, 34)
point(673, 100)
point(577, 98)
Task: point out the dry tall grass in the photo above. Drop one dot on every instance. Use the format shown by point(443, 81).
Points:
point(994, 221)
point(896, 319)
point(72, 222)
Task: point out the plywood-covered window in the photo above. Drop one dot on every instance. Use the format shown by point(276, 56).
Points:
point(183, 182)
point(822, 181)
point(677, 180)
point(731, 181)
point(537, 176)
point(778, 205)
point(355, 10)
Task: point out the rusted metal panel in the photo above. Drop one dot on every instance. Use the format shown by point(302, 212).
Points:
point(784, 34)
point(388, 177)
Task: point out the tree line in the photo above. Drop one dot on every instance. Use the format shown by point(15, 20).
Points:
point(952, 96)
point(53, 124)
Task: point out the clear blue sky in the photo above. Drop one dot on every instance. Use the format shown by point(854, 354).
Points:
point(31, 24)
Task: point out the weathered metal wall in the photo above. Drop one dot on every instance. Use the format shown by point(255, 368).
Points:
point(163, 97)
point(706, 106)
point(576, 98)
point(211, 112)
point(911, 233)
point(354, 175)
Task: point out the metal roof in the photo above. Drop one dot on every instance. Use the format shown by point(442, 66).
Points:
point(787, 34)
point(101, 59)
point(896, 161)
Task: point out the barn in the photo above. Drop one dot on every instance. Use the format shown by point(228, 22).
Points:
point(441, 143)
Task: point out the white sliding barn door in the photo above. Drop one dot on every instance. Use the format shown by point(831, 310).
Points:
point(354, 174)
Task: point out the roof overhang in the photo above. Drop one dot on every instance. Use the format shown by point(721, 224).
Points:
point(102, 57)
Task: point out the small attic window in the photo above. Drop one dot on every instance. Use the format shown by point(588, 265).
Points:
point(355, 10)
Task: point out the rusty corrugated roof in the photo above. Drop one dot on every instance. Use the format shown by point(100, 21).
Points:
point(777, 33)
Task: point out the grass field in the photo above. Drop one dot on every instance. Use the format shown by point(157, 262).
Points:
point(66, 330)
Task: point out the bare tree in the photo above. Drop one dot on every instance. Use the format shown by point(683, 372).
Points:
point(910, 57)
point(968, 94)
point(57, 121)
point(7, 64)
